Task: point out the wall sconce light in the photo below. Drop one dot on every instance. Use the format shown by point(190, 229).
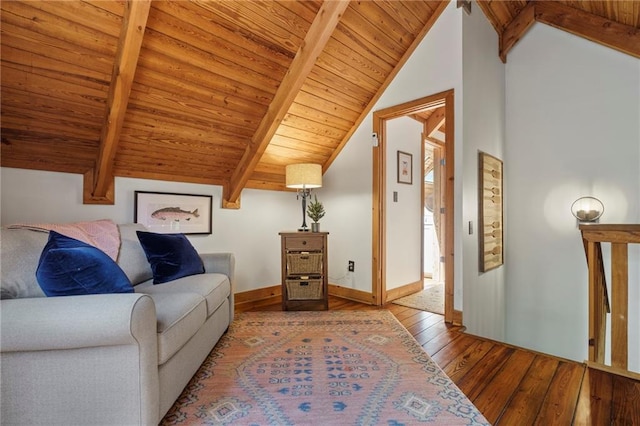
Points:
point(587, 209)
point(303, 177)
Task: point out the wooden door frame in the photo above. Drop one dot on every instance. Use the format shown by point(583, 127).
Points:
point(379, 198)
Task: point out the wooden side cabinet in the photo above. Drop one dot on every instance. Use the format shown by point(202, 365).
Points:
point(305, 285)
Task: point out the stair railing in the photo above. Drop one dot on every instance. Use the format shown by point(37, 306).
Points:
point(620, 236)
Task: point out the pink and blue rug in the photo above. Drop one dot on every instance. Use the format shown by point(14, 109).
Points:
point(321, 368)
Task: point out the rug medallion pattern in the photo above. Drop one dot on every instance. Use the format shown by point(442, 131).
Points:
point(329, 368)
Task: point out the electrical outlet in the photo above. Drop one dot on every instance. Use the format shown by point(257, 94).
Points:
point(352, 266)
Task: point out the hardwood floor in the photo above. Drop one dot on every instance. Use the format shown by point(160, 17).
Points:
point(514, 386)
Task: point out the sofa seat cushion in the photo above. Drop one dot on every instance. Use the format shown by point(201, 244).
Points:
point(214, 287)
point(180, 316)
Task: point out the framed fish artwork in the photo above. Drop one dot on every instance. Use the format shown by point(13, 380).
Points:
point(170, 213)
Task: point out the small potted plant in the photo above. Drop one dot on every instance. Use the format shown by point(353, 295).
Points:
point(315, 211)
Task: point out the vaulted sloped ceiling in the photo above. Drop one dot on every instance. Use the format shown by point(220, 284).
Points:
point(224, 92)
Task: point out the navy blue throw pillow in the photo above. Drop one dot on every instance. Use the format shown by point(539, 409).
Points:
point(171, 256)
point(71, 267)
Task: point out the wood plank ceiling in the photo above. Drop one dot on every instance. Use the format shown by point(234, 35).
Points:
point(224, 92)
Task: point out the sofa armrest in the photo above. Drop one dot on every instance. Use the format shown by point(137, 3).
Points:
point(79, 360)
point(222, 263)
point(52, 323)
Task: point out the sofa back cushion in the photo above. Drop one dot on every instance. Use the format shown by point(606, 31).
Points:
point(19, 255)
point(20, 251)
point(132, 258)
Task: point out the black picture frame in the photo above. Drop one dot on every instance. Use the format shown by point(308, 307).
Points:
point(172, 213)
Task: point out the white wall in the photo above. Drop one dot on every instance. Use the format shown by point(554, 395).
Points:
point(434, 67)
point(483, 130)
point(404, 217)
point(347, 187)
point(251, 232)
point(573, 109)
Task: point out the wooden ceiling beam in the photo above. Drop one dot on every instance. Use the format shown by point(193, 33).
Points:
point(434, 122)
point(621, 37)
point(516, 30)
point(101, 180)
point(312, 46)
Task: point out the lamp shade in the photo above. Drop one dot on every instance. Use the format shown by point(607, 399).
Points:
point(304, 175)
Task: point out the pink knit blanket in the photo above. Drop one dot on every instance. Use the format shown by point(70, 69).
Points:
point(102, 234)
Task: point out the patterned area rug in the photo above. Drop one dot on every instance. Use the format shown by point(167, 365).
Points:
point(431, 299)
point(322, 367)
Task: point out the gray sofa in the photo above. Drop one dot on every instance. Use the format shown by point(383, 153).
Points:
point(109, 359)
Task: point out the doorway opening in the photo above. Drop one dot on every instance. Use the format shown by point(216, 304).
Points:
point(433, 233)
point(443, 102)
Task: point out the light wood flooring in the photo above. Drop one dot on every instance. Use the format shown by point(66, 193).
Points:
point(514, 386)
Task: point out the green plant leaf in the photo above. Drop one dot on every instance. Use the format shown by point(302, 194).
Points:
point(315, 209)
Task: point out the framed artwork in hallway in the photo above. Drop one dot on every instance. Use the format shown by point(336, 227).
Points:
point(405, 168)
point(490, 211)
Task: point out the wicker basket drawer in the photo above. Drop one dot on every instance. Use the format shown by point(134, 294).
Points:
point(304, 289)
point(304, 263)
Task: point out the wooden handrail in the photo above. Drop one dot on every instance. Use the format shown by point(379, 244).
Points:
point(599, 305)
